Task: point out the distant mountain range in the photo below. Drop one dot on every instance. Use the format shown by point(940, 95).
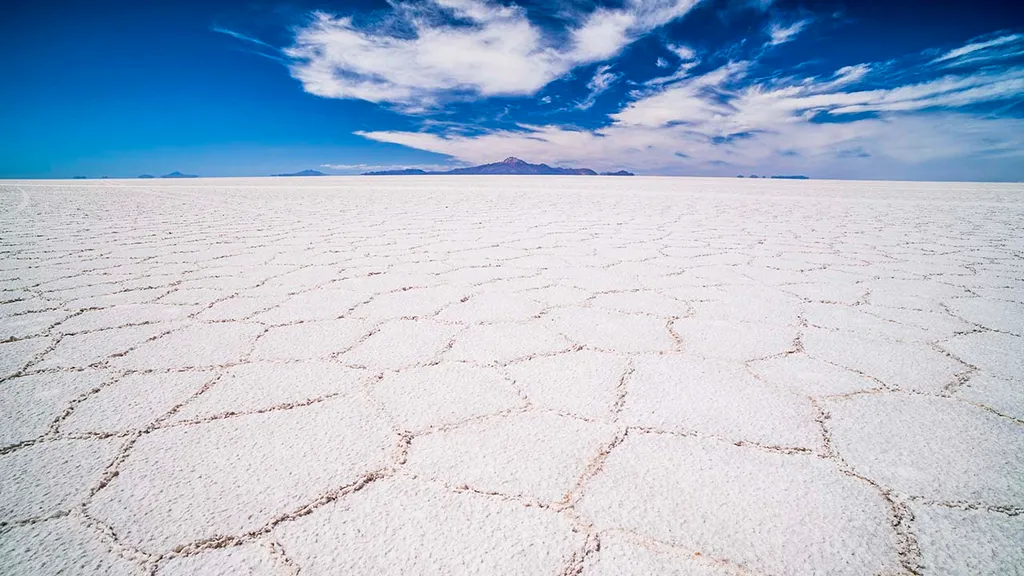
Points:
point(303, 173)
point(510, 165)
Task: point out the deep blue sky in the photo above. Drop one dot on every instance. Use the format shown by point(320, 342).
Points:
point(901, 90)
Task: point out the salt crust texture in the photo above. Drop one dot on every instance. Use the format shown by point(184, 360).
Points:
point(566, 376)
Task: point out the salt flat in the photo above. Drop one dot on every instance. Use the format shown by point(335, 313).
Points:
point(511, 375)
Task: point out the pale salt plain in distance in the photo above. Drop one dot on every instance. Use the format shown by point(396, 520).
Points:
point(511, 375)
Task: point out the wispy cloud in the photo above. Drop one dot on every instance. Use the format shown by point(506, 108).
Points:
point(849, 75)
point(242, 37)
point(685, 53)
point(688, 60)
point(781, 33)
point(602, 80)
point(606, 31)
point(998, 47)
point(459, 47)
point(256, 46)
point(984, 52)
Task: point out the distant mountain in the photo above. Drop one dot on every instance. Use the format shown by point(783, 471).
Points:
point(177, 174)
point(145, 175)
point(510, 165)
point(403, 172)
point(513, 165)
point(795, 177)
point(80, 177)
point(303, 173)
point(619, 173)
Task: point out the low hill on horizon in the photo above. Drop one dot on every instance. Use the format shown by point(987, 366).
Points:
point(303, 173)
point(177, 174)
point(401, 172)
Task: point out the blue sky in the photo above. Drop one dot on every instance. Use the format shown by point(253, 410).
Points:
point(868, 89)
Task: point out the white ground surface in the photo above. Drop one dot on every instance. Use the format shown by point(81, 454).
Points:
point(518, 375)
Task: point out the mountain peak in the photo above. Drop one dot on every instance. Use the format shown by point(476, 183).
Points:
point(512, 160)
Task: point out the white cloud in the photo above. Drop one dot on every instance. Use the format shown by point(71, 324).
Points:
point(603, 34)
point(849, 75)
point(688, 60)
point(884, 148)
point(947, 92)
point(685, 53)
point(496, 51)
point(662, 63)
point(500, 54)
point(780, 33)
point(683, 101)
point(983, 50)
point(602, 80)
point(606, 31)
